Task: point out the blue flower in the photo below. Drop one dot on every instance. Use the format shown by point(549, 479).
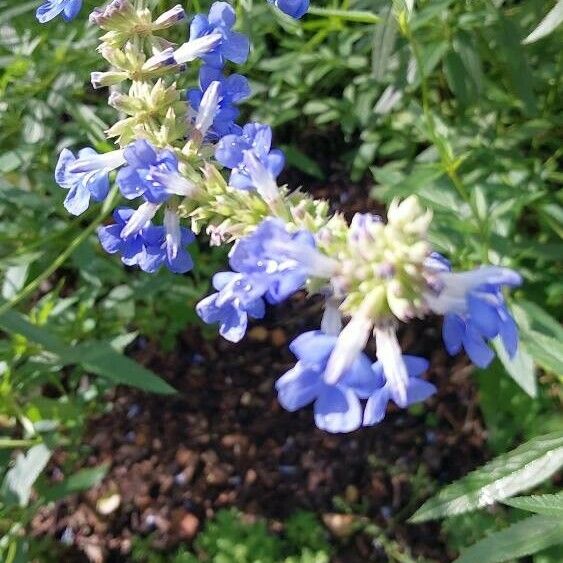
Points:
point(256, 138)
point(85, 177)
point(474, 309)
point(52, 8)
point(152, 174)
point(233, 46)
point(283, 259)
point(417, 389)
point(337, 406)
point(232, 90)
point(293, 8)
point(146, 246)
point(238, 297)
point(270, 263)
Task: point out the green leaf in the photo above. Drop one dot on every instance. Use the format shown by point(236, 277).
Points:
point(19, 480)
point(383, 42)
point(504, 476)
point(538, 319)
point(549, 505)
point(301, 161)
point(81, 480)
point(100, 358)
point(548, 24)
point(13, 322)
point(547, 351)
point(519, 70)
point(541, 336)
point(520, 367)
point(14, 280)
point(457, 77)
point(522, 538)
point(96, 357)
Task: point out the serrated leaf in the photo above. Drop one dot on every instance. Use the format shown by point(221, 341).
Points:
point(518, 470)
point(548, 24)
point(20, 479)
point(522, 538)
point(549, 505)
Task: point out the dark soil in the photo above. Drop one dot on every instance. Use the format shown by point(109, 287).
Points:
point(224, 441)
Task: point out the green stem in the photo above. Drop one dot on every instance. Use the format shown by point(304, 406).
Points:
point(31, 287)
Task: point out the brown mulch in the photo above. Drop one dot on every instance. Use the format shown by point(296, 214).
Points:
point(224, 441)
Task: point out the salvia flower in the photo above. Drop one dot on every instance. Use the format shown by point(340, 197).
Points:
point(232, 90)
point(147, 246)
point(238, 297)
point(337, 406)
point(294, 8)
point(417, 389)
point(151, 173)
point(85, 177)
point(231, 46)
point(474, 309)
point(50, 9)
point(284, 259)
point(257, 139)
point(271, 263)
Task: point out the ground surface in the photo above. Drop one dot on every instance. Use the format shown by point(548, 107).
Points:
point(224, 441)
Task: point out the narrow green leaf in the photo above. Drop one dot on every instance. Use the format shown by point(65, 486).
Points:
point(301, 161)
point(96, 357)
point(547, 351)
point(383, 42)
point(520, 367)
point(14, 322)
point(464, 45)
point(14, 280)
point(457, 77)
point(548, 24)
point(519, 70)
point(518, 470)
point(549, 505)
point(538, 319)
point(518, 540)
point(19, 480)
point(81, 480)
point(100, 358)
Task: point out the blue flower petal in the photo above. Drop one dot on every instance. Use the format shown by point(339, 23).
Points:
point(376, 407)
point(453, 330)
point(338, 410)
point(298, 387)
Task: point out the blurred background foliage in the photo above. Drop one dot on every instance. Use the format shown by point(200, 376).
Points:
point(440, 98)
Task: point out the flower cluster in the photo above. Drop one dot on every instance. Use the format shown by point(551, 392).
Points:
point(182, 155)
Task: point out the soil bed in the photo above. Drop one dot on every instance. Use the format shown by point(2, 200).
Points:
point(224, 441)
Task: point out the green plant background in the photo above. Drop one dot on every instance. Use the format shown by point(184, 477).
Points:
point(442, 100)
